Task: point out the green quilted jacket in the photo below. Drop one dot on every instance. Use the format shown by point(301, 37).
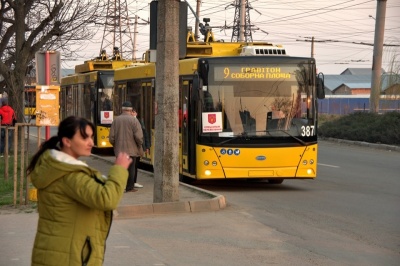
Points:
point(75, 204)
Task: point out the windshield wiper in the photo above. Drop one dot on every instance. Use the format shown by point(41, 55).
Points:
point(245, 134)
point(296, 138)
point(240, 135)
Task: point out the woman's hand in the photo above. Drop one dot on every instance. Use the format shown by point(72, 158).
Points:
point(124, 160)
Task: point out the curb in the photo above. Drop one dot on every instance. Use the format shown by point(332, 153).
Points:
point(215, 203)
point(131, 211)
point(365, 144)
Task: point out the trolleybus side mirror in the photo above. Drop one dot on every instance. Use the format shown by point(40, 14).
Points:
point(320, 86)
point(203, 71)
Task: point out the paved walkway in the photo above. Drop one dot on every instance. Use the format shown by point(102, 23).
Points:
point(18, 226)
point(140, 203)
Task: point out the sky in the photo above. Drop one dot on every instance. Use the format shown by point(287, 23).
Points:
point(343, 30)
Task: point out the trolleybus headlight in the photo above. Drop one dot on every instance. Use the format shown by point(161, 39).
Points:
point(305, 162)
point(311, 161)
point(214, 163)
point(309, 171)
point(207, 172)
point(206, 162)
point(103, 143)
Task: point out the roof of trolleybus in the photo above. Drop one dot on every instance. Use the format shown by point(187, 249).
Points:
point(147, 70)
point(81, 78)
point(262, 59)
point(189, 66)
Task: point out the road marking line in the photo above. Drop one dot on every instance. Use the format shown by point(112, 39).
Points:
point(329, 165)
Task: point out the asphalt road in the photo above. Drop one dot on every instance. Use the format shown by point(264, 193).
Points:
point(349, 215)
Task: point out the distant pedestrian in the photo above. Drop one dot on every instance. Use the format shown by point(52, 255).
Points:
point(146, 143)
point(106, 104)
point(7, 116)
point(75, 201)
point(126, 135)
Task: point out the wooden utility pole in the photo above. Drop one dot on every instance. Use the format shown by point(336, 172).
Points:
point(166, 157)
point(377, 56)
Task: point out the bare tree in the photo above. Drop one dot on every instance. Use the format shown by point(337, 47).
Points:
point(390, 81)
point(28, 26)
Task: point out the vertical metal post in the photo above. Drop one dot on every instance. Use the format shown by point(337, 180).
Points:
point(47, 79)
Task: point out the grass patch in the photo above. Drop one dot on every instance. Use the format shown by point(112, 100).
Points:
point(7, 186)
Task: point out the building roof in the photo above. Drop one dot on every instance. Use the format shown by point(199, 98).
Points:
point(360, 85)
point(334, 81)
point(359, 71)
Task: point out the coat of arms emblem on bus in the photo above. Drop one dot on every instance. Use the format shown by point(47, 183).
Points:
point(106, 114)
point(212, 118)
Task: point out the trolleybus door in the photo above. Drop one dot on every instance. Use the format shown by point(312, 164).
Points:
point(146, 116)
point(183, 125)
point(187, 128)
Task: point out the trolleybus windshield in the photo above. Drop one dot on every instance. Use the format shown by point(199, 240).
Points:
point(259, 101)
point(105, 93)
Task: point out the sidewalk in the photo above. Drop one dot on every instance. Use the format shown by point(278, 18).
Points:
point(140, 203)
point(127, 244)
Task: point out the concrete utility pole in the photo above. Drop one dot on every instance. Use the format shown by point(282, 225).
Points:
point(196, 27)
point(377, 57)
point(312, 47)
point(166, 157)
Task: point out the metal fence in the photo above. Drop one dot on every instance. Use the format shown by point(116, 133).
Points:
point(14, 163)
point(347, 104)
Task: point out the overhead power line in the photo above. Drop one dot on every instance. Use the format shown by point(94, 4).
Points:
point(360, 43)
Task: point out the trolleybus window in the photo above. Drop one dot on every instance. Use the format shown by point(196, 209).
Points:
point(105, 93)
point(259, 101)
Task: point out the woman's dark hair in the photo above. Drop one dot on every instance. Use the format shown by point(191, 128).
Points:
point(66, 129)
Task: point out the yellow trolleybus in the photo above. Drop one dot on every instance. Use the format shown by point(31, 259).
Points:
point(250, 113)
point(89, 93)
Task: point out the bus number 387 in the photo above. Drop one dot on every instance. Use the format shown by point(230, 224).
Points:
point(307, 131)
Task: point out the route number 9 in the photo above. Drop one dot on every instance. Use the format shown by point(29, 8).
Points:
point(226, 72)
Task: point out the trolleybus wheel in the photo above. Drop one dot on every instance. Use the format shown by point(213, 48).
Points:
point(275, 181)
point(185, 179)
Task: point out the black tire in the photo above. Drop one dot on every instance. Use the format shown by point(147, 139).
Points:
point(275, 181)
point(186, 179)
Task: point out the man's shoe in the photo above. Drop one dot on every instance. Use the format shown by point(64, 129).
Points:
point(131, 190)
point(137, 185)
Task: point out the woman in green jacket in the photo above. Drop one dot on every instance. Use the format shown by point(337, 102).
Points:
point(75, 202)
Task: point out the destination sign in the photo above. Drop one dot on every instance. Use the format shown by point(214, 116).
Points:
point(239, 73)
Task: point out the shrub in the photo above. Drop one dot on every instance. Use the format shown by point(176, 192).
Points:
point(368, 127)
